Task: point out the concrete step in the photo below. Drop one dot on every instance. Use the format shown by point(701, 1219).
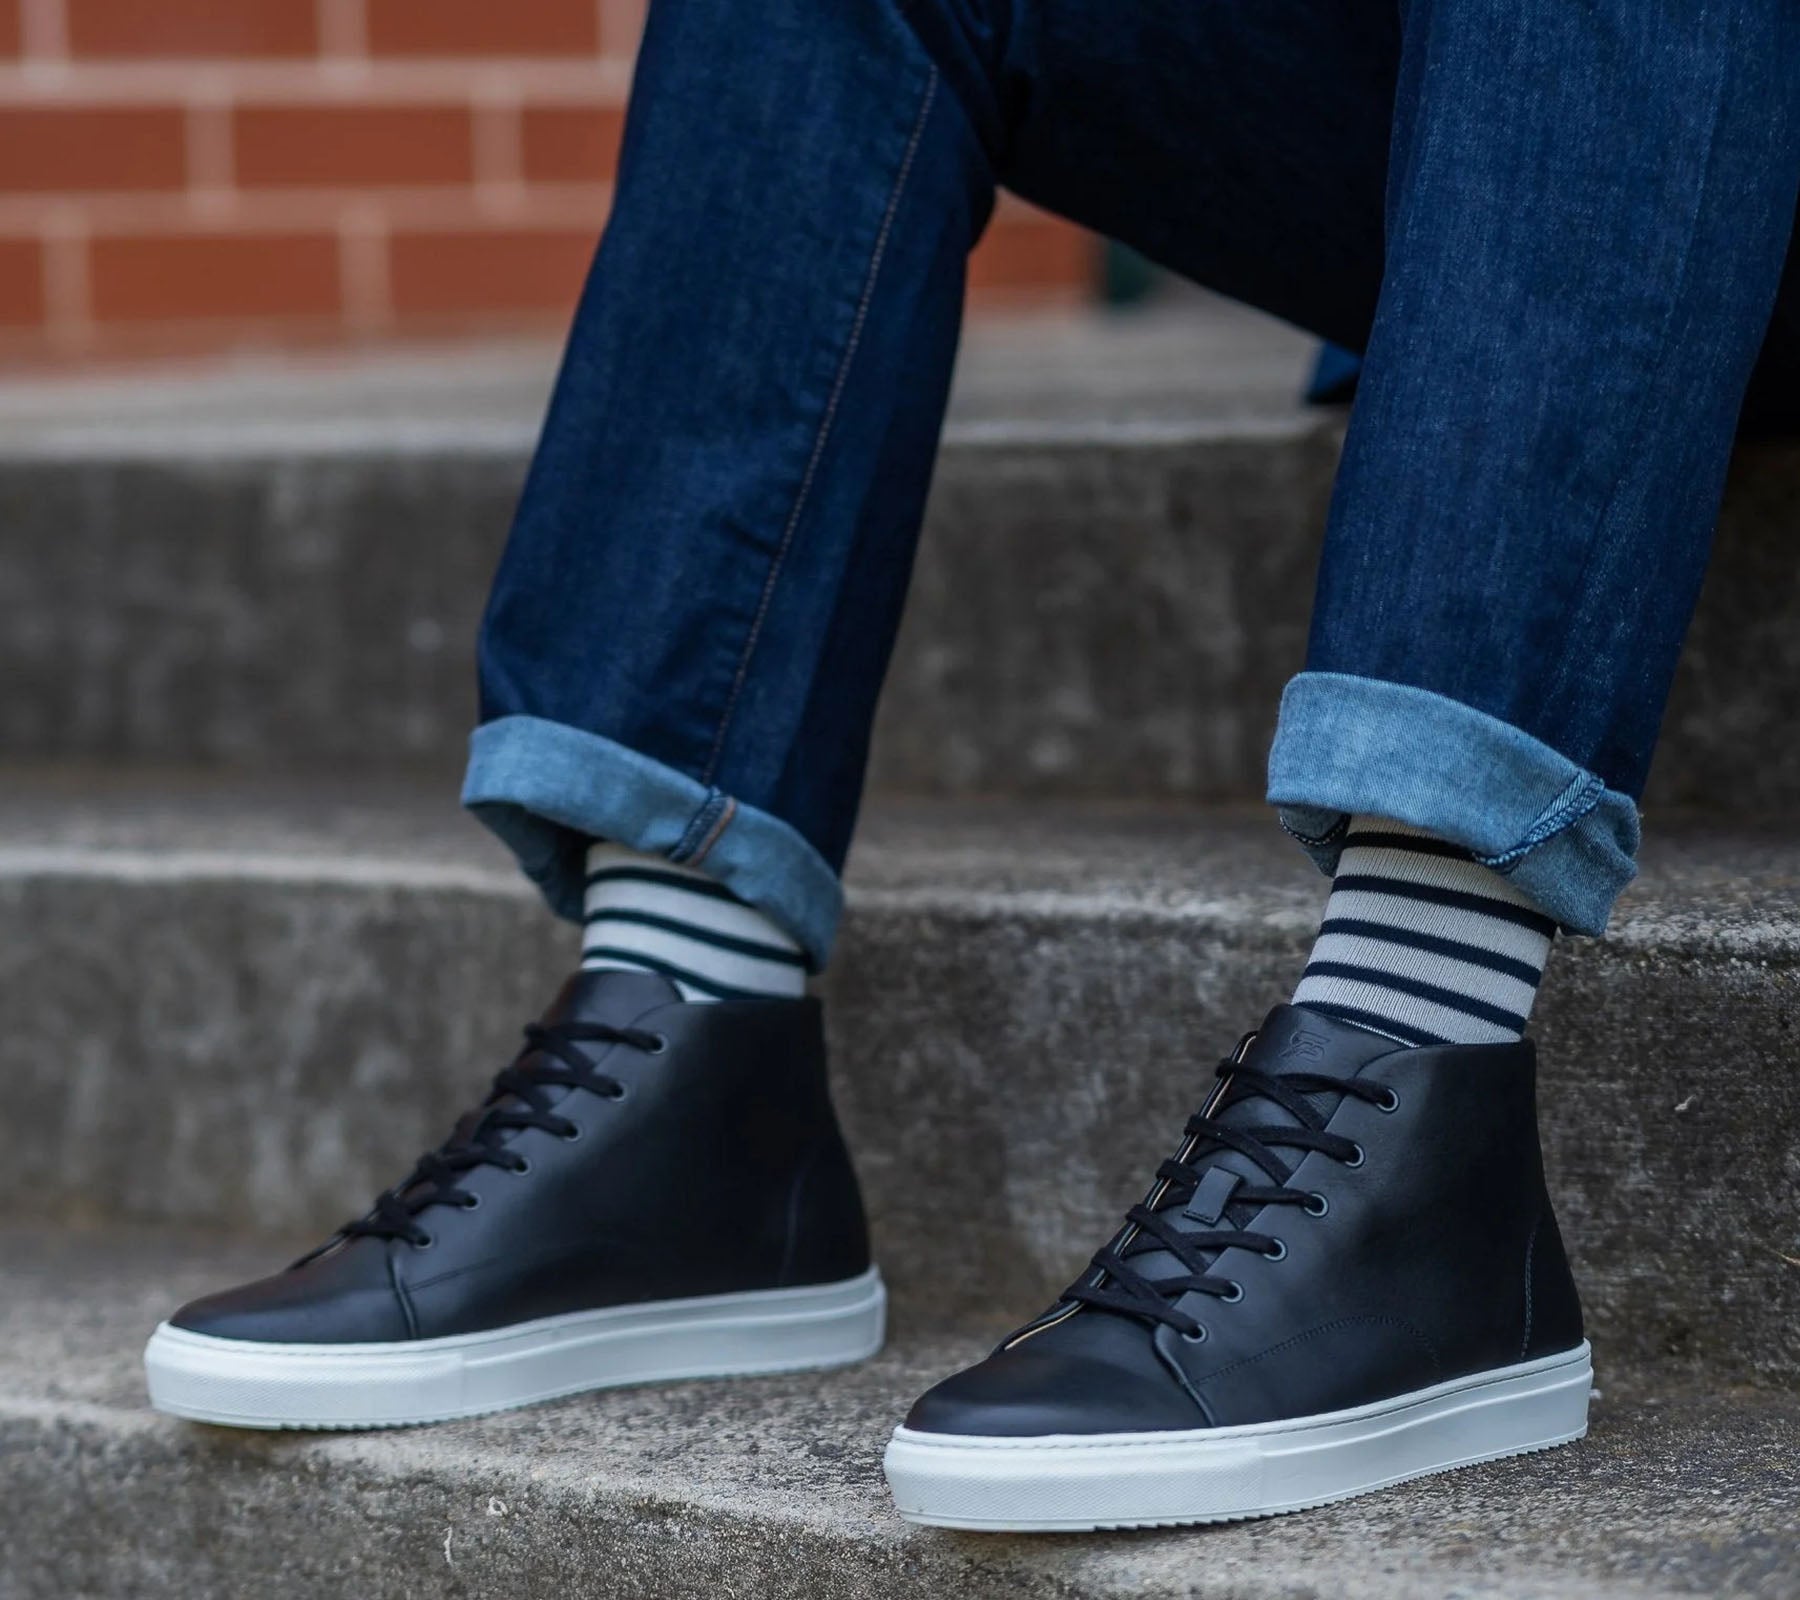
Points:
point(256, 1004)
point(772, 1487)
point(286, 571)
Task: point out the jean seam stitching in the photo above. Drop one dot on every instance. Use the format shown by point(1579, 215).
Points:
point(714, 833)
point(1582, 796)
point(699, 826)
point(825, 425)
point(1316, 841)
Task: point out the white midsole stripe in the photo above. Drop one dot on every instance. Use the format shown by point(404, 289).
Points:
point(1072, 1481)
point(265, 1384)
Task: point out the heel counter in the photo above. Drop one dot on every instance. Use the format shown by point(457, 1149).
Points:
point(827, 1225)
point(827, 1229)
point(1552, 1320)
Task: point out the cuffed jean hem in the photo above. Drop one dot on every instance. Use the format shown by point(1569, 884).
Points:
point(547, 790)
point(1348, 745)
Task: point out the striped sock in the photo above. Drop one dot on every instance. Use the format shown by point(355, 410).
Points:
point(1423, 944)
point(645, 914)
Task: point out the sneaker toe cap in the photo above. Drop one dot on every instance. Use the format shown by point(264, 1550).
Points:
point(300, 1306)
point(1025, 1393)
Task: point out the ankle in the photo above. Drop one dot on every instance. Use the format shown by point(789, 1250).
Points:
point(645, 914)
point(1421, 942)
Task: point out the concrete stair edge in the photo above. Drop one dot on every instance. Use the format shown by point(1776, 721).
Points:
point(770, 1487)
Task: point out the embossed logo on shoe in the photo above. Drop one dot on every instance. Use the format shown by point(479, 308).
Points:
point(1304, 1046)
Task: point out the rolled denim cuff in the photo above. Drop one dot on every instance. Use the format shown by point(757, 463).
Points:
point(1349, 745)
point(547, 790)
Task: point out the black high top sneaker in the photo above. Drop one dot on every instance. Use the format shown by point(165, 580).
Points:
point(1348, 1276)
point(653, 1190)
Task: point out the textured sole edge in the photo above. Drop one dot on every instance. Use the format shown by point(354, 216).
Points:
point(254, 1384)
point(1033, 1485)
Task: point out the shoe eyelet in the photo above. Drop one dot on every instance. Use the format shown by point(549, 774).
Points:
point(522, 1168)
point(1279, 1253)
point(1237, 1294)
point(1389, 1102)
point(423, 1242)
point(1198, 1336)
point(573, 1136)
point(1315, 1205)
point(659, 1045)
point(470, 1202)
point(1360, 1156)
point(620, 1092)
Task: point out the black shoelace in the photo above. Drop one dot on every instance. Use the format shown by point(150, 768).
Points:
point(519, 1099)
point(1118, 1286)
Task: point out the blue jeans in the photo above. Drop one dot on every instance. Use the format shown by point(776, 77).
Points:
point(1556, 232)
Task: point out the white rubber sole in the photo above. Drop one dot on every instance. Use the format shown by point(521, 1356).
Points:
point(1070, 1482)
point(248, 1384)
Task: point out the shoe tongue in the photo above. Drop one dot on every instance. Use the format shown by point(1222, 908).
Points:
point(611, 996)
point(1292, 1040)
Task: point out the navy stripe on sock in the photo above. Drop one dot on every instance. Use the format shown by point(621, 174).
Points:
point(1372, 839)
point(1419, 990)
point(1455, 949)
point(689, 930)
point(1430, 894)
point(665, 880)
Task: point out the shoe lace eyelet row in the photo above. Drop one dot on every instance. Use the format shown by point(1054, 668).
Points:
point(552, 1058)
point(1115, 1284)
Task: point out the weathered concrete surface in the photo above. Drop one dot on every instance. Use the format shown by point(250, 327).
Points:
point(771, 1487)
point(257, 1007)
point(1106, 616)
point(1094, 613)
point(1113, 585)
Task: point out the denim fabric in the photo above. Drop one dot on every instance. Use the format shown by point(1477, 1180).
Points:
point(1350, 745)
point(537, 783)
point(1556, 231)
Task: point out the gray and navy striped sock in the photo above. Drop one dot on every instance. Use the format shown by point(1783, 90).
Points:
point(1423, 944)
point(645, 914)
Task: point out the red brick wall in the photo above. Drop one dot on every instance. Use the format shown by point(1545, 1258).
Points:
point(194, 174)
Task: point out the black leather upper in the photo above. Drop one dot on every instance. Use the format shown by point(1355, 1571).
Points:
point(1436, 1257)
point(720, 1169)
